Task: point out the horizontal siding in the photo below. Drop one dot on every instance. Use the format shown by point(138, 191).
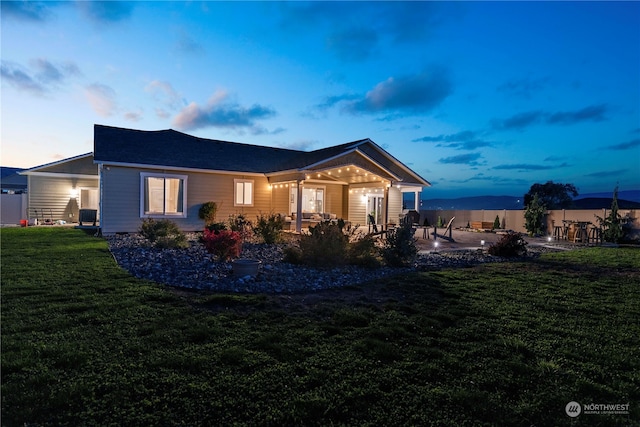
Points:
point(394, 205)
point(121, 198)
point(50, 197)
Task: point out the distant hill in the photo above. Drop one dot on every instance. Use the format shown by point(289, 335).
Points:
point(626, 200)
point(603, 203)
point(479, 202)
point(631, 195)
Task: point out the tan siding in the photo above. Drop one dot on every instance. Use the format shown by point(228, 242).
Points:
point(280, 198)
point(121, 198)
point(333, 199)
point(82, 166)
point(51, 197)
point(394, 205)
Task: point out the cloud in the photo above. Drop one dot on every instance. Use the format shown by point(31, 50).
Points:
point(34, 11)
point(524, 88)
point(355, 30)
point(40, 78)
point(133, 116)
point(625, 145)
point(408, 94)
point(220, 113)
point(464, 140)
point(353, 44)
point(106, 12)
point(606, 174)
point(102, 99)
point(592, 113)
point(468, 159)
point(19, 78)
point(554, 159)
point(518, 121)
point(493, 179)
point(47, 72)
point(528, 167)
point(186, 44)
point(331, 101)
point(164, 92)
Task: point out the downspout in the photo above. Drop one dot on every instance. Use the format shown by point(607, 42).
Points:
point(100, 198)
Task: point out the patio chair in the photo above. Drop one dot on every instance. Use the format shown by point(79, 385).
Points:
point(372, 223)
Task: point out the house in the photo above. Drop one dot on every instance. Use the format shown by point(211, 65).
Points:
point(169, 174)
point(11, 180)
point(58, 190)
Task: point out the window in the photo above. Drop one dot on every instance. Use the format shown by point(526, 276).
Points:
point(312, 199)
point(244, 192)
point(163, 195)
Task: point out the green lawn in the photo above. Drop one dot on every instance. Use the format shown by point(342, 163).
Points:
point(84, 343)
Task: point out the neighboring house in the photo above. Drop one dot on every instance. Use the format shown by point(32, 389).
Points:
point(58, 190)
point(169, 174)
point(11, 180)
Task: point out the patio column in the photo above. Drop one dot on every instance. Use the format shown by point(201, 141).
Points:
point(299, 206)
point(416, 195)
point(385, 219)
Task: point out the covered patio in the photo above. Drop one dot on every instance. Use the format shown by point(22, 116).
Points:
point(354, 186)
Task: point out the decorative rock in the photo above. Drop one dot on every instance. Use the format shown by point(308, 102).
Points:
point(195, 268)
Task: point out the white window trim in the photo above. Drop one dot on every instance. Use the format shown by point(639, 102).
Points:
point(253, 192)
point(182, 214)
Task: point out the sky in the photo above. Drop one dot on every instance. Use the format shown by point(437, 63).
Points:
point(479, 98)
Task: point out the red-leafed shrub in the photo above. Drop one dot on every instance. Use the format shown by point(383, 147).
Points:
point(509, 246)
point(224, 244)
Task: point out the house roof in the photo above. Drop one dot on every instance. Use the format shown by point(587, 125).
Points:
point(77, 165)
point(175, 149)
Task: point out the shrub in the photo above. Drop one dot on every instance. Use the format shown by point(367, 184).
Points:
point(225, 244)
point(293, 255)
point(364, 252)
point(207, 212)
point(325, 245)
point(612, 225)
point(216, 226)
point(400, 246)
point(509, 246)
point(496, 223)
point(533, 216)
point(269, 228)
point(163, 233)
point(240, 224)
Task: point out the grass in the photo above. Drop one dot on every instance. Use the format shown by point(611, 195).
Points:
point(84, 343)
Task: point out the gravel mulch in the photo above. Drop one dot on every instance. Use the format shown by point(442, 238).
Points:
point(195, 268)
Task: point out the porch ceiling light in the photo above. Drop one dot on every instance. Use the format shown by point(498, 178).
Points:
point(73, 193)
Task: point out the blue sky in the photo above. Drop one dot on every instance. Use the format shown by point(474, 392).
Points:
point(477, 97)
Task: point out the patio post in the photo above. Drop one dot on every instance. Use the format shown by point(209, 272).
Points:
point(299, 206)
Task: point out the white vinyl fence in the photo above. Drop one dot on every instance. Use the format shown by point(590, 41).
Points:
point(13, 208)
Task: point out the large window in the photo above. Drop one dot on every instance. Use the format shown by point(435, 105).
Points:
point(163, 195)
point(312, 199)
point(243, 192)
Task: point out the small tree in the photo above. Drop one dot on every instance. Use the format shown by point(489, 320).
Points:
point(496, 223)
point(533, 216)
point(269, 227)
point(612, 226)
point(207, 212)
point(400, 246)
point(553, 195)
